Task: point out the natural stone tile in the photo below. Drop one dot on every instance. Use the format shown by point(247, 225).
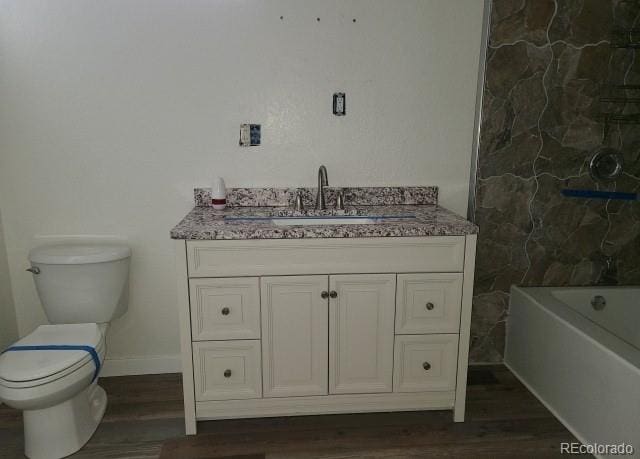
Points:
point(582, 21)
point(509, 197)
point(514, 158)
point(541, 125)
point(487, 326)
point(520, 20)
point(626, 13)
point(557, 274)
point(561, 161)
point(584, 273)
point(528, 102)
point(510, 64)
point(496, 126)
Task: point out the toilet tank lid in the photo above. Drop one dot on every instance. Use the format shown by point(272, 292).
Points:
point(78, 254)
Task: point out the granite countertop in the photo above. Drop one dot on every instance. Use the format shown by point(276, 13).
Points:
point(249, 212)
point(205, 223)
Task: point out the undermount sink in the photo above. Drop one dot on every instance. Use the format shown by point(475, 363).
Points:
point(322, 220)
point(289, 221)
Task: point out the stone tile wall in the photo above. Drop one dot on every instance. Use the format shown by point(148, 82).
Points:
point(548, 64)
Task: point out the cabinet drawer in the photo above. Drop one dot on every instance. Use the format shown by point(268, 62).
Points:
point(425, 363)
point(428, 303)
point(225, 308)
point(225, 370)
point(260, 257)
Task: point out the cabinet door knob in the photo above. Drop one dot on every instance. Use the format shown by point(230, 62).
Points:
point(227, 373)
point(225, 311)
point(324, 295)
point(333, 294)
point(430, 306)
point(426, 366)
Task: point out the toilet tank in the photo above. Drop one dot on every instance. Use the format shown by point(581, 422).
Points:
point(82, 283)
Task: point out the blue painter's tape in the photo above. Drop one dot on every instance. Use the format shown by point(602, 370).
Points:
point(596, 194)
point(62, 347)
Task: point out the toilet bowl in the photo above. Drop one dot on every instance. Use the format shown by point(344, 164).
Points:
point(52, 373)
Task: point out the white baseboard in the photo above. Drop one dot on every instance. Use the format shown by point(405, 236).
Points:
point(141, 365)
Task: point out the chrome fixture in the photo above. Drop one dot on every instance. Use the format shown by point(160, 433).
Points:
point(297, 204)
point(340, 200)
point(322, 182)
point(598, 302)
point(34, 270)
point(606, 165)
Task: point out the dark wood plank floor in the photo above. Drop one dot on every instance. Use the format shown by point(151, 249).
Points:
point(144, 420)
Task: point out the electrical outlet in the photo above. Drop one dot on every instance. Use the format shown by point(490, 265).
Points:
point(249, 135)
point(339, 104)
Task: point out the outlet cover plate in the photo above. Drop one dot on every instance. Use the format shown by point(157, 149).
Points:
point(249, 135)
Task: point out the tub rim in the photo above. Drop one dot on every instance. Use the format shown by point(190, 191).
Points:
point(542, 298)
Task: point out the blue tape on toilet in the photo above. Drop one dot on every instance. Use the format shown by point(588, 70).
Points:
point(62, 347)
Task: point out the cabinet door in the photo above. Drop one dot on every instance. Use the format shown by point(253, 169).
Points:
point(361, 315)
point(294, 335)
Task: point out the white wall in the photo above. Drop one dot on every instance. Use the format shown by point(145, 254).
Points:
point(8, 324)
point(112, 111)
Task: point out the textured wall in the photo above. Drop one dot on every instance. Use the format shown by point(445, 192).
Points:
point(113, 111)
point(548, 63)
point(8, 325)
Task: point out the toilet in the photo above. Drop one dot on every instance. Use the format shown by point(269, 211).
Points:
point(52, 373)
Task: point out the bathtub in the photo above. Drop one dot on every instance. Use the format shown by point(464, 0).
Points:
point(578, 350)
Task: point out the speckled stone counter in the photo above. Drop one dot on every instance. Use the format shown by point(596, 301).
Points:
point(205, 223)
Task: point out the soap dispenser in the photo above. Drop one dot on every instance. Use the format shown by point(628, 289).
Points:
point(218, 194)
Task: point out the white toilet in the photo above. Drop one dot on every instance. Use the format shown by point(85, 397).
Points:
point(52, 374)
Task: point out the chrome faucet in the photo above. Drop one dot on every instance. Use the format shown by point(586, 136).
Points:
point(322, 182)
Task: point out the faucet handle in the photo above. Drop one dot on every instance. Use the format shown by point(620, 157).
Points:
point(297, 204)
point(340, 200)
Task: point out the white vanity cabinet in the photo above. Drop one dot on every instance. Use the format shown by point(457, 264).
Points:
point(315, 326)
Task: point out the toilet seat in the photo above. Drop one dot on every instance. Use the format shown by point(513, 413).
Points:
point(21, 369)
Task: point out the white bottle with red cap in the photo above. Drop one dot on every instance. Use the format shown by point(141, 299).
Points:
point(218, 194)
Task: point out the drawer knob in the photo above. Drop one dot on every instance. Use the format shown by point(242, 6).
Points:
point(430, 306)
point(227, 373)
point(333, 294)
point(324, 295)
point(426, 366)
point(225, 311)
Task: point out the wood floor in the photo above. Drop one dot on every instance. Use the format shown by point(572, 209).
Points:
point(144, 420)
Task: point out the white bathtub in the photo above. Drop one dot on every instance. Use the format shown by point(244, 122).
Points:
point(582, 363)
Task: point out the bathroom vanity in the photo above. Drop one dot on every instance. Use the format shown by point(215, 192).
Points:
point(358, 310)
